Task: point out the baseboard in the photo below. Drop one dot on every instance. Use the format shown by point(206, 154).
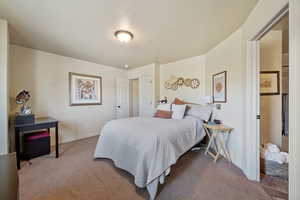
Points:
point(80, 137)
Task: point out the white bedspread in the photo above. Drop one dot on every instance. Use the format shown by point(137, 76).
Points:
point(147, 147)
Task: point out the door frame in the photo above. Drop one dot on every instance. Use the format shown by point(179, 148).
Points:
point(294, 99)
point(252, 161)
point(130, 88)
point(253, 97)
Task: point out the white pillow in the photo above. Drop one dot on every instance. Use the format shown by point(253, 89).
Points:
point(200, 111)
point(178, 111)
point(164, 107)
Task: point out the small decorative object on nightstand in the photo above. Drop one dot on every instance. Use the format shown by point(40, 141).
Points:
point(214, 132)
point(22, 99)
point(24, 116)
point(163, 100)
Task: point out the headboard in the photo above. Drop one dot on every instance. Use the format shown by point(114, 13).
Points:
point(199, 99)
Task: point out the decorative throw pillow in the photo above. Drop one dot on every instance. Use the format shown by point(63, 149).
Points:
point(180, 102)
point(178, 111)
point(163, 114)
point(200, 111)
point(165, 107)
point(177, 101)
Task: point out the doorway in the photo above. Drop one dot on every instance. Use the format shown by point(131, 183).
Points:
point(273, 101)
point(134, 98)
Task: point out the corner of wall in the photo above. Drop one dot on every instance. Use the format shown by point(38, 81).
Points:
point(227, 56)
point(157, 83)
point(4, 87)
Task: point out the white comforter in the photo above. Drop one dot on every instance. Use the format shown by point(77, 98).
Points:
point(147, 147)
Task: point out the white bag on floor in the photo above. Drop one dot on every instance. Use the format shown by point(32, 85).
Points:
point(272, 152)
point(272, 148)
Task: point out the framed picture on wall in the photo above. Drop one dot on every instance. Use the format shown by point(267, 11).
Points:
point(269, 83)
point(219, 83)
point(85, 89)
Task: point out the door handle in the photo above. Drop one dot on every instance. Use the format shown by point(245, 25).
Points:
point(118, 106)
point(257, 116)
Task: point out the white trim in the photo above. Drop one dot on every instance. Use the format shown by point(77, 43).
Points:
point(252, 146)
point(294, 106)
point(294, 98)
point(3, 87)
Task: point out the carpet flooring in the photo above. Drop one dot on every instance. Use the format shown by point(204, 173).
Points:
point(76, 176)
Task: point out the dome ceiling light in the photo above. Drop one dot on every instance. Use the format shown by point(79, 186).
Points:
point(124, 36)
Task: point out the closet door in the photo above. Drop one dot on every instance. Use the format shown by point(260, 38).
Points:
point(122, 103)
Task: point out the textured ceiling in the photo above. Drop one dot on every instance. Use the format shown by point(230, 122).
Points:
point(164, 30)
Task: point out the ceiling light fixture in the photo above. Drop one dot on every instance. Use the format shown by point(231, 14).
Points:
point(124, 36)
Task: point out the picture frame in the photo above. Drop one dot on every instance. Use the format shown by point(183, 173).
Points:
point(85, 90)
point(219, 83)
point(269, 83)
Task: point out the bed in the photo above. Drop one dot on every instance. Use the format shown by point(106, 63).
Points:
point(148, 147)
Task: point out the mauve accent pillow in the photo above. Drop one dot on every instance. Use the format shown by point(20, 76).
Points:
point(163, 114)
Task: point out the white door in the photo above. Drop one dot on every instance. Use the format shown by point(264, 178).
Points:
point(122, 103)
point(146, 96)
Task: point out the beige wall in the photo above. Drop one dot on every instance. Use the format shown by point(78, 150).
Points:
point(157, 83)
point(147, 70)
point(285, 41)
point(45, 75)
point(227, 56)
point(271, 106)
point(188, 68)
point(4, 84)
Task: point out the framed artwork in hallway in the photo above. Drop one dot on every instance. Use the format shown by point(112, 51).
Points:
point(269, 83)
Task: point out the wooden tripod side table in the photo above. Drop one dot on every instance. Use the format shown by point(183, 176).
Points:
point(214, 132)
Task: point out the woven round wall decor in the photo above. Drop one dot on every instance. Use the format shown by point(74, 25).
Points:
point(180, 81)
point(187, 82)
point(195, 83)
point(168, 85)
point(174, 86)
